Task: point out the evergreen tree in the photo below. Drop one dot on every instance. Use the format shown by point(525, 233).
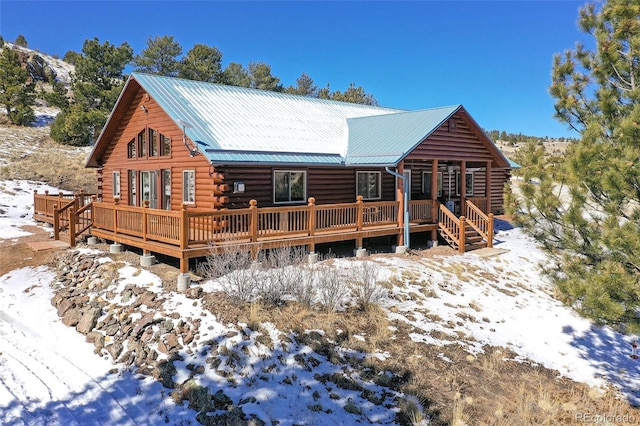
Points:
point(235, 75)
point(96, 85)
point(17, 90)
point(160, 57)
point(355, 95)
point(585, 207)
point(57, 96)
point(304, 86)
point(1, 41)
point(261, 77)
point(202, 63)
point(71, 57)
point(21, 41)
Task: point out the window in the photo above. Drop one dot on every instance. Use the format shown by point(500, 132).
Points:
point(165, 145)
point(188, 186)
point(149, 187)
point(116, 184)
point(142, 144)
point(426, 184)
point(468, 183)
point(131, 149)
point(289, 186)
point(153, 143)
point(368, 185)
point(166, 189)
point(133, 193)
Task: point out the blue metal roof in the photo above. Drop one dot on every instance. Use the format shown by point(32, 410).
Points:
point(387, 139)
point(230, 124)
point(235, 124)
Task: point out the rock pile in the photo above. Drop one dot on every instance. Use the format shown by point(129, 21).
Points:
point(130, 324)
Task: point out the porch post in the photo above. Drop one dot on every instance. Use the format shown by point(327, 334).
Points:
point(463, 187)
point(434, 200)
point(487, 189)
point(400, 200)
point(312, 224)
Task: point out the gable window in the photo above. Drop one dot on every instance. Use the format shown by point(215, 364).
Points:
point(426, 184)
point(116, 184)
point(142, 144)
point(165, 145)
point(368, 185)
point(153, 143)
point(289, 186)
point(131, 149)
point(189, 186)
point(468, 183)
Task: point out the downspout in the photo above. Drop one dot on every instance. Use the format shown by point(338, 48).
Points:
point(405, 190)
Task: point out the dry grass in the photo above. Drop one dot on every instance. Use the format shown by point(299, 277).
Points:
point(29, 153)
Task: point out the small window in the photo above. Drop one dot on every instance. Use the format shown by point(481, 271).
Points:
point(368, 185)
point(133, 192)
point(426, 184)
point(116, 184)
point(165, 145)
point(142, 144)
point(166, 189)
point(189, 186)
point(131, 149)
point(289, 186)
point(153, 143)
point(468, 183)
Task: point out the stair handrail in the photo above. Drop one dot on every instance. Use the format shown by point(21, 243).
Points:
point(449, 223)
point(480, 222)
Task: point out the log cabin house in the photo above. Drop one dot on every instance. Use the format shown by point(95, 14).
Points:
point(183, 165)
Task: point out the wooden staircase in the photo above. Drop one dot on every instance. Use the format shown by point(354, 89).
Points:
point(466, 233)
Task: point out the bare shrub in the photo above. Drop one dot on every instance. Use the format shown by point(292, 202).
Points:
point(331, 286)
point(284, 271)
point(304, 291)
point(235, 271)
point(363, 279)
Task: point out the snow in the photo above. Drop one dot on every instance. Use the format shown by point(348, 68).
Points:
point(50, 375)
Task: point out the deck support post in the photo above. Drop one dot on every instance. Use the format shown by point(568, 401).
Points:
point(184, 279)
point(434, 200)
point(147, 259)
point(487, 189)
point(463, 234)
point(312, 226)
point(56, 222)
point(361, 252)
point(72, 227)
point(359, 221)
point(312, 258)
point(115, 248)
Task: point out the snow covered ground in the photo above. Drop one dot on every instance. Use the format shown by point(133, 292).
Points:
point(49, 374)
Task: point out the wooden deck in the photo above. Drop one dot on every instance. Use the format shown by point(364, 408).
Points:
point(191, 233)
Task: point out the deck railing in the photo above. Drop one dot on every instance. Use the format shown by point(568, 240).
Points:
point(188, 227)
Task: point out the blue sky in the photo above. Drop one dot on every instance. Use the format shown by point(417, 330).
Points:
point(494, 57)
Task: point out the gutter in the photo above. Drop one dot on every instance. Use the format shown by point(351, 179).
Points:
point(405, 190)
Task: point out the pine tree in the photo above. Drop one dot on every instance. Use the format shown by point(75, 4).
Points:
point(17, 90)
point(261, 77)
point(202, 63)
point(160, 57)
point(585, 207)
point(235, 75)
point(96, 85)
point(304, 86)
point(21, 41)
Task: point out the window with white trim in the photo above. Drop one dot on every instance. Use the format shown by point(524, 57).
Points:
point(189, 186)
point(289, 186)
point(468, 183)
point(116, 184)
point(426, 184)
point(368, 184)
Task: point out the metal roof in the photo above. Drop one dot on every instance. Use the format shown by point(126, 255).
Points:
point(387, 139)
point(235, 124)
